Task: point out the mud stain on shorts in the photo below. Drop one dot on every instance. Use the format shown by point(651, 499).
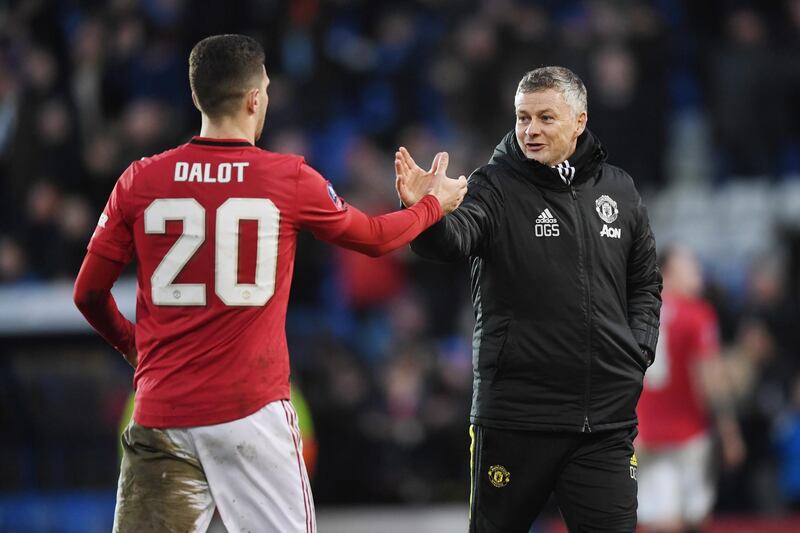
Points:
point(248, 451)
point(161, 487)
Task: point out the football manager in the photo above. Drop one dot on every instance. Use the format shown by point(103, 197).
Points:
point(566, 295)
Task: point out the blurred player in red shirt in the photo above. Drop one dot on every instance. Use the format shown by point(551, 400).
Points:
point(213, 224)
point(685, 392)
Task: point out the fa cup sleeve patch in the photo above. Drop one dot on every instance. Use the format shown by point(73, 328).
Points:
point(335, 198)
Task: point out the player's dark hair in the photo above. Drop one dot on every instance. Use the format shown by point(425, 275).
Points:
point(222, 68)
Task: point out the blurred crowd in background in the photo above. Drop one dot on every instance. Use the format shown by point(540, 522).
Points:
point(680, 92)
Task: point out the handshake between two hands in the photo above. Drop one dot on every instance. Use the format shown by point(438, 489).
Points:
point(413, 183)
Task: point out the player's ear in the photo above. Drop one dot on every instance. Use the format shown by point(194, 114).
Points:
point(252, 100)
point(194, 101)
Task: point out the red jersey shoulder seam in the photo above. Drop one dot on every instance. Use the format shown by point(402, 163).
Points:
point(296, 215)
point(127, 176)
point(149, 160)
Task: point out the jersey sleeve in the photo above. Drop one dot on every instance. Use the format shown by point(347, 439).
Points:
point(92, 296)
point(330, 219)
point(113, 236)
point(319, 209)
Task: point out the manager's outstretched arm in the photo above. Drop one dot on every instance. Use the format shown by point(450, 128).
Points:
point(467, 231)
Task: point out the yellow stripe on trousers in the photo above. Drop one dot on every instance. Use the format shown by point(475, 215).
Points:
point(471, 467)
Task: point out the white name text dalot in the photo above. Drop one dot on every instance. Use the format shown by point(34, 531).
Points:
point(202, 172)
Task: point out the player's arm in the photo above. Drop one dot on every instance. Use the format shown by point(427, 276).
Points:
point(330, 219)
point(93, 298)
point(110, 249)
point(378, 235)
point(713, 383)
point(644, 285)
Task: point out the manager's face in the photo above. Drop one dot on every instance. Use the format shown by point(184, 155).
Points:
point(547, 127)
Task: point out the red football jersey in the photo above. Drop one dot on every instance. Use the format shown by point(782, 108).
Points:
point(213, 224)
point(671, 409)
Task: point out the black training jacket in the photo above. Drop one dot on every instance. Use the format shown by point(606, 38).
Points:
point(565, 289)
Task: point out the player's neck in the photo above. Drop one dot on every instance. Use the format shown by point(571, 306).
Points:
point(227, 128)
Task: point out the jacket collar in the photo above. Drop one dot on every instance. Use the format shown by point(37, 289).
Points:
point(589, 155)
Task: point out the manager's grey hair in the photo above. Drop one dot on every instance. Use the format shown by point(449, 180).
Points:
point(562, 80)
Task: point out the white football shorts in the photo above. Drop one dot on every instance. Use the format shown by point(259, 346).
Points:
point(676, 484)
point(247, 474)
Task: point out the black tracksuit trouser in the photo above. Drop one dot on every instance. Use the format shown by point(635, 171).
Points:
point(593, 477)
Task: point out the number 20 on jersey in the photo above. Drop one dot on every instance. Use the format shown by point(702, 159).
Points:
point(226, 251)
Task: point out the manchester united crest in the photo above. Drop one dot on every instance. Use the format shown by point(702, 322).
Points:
point(499, 476)
point(606, 208)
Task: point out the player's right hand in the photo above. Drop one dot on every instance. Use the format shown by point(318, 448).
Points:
point(413, 182)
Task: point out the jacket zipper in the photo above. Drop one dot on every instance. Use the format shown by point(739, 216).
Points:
point(587, 428)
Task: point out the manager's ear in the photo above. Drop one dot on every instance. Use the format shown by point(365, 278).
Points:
point(582, 119)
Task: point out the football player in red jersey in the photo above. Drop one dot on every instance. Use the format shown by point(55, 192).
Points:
point(213, 224)
point(685, 392)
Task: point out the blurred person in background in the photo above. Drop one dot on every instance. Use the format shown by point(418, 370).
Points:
point(687, 393)
point(761, 365)
point(746, 86)
point(343, 390)
point(214, 432)
point(752, 350)
point(787, 447)
point(12, 260)
point(626, 116)
point(566, 296)
point(43, 207)
point(756, 386)
point(57, 144)
point(75, 225)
